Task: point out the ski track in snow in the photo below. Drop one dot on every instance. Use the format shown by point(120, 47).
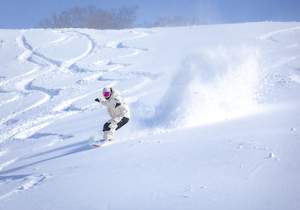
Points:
point(119, 44)
point(286, 61)
point(15, 98)
point(29, 127)
point(271, 35)
point(136, 51)
point(44, 65)
point(28, 183)
point(90, 48)
point(7, 163)
point(24, 82)
point(26, 85)
point(28, 88)
point(19, 77)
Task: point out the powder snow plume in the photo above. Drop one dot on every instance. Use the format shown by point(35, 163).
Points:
point(212, 86)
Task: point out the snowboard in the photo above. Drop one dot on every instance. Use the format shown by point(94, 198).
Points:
point(98, 143)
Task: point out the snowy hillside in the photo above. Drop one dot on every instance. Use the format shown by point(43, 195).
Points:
point(215, 118)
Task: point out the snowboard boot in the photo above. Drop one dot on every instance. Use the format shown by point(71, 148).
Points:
point(108, 136)
point(97, 142)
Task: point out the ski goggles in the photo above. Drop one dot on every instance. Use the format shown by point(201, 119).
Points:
point(106, 94)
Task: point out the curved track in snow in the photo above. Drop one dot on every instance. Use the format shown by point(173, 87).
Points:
point(53, 103)
point(45, 65)
point(24, 83)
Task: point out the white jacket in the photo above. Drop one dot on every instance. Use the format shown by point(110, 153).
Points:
point(116, 107)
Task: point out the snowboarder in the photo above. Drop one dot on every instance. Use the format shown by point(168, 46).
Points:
point(117, 109)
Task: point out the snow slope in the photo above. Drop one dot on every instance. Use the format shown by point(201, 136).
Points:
point(215, 118)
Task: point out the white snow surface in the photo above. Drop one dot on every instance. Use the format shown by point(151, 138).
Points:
point(215, 118)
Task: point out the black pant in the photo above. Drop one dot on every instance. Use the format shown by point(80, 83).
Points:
point(120, 124)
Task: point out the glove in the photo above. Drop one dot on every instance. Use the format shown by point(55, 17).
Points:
point(97, 100)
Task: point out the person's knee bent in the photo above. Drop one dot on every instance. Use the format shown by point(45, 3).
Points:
point(124, 121)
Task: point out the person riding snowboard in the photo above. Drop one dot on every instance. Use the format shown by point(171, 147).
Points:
point(117, 109)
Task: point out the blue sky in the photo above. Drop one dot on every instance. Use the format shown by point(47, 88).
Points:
point(28, 13)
